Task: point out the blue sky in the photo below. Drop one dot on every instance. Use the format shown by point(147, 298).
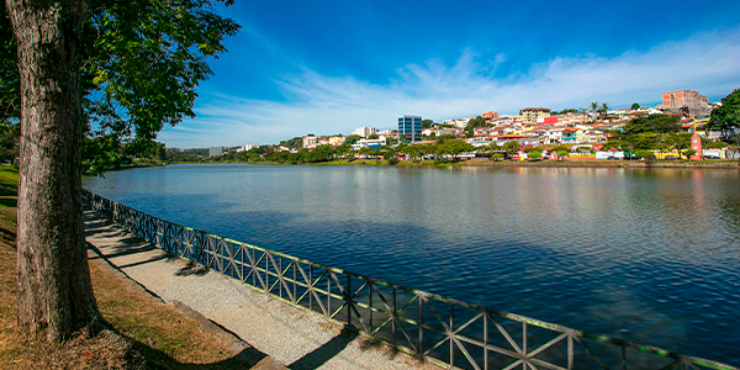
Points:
point(300, 67)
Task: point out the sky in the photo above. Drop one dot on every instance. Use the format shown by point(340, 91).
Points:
point(328, 67)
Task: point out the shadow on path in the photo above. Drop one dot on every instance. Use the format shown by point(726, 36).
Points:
point(326, 352)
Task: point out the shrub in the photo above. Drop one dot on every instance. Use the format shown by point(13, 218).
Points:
point(643, 154)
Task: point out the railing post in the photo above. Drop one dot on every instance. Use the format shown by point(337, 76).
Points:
point(485, 340)
point(393, 315)
point(370, 285)
point(295, 281)
point(310, 287)
point(348, 300)
point(421, 324)
point(451, 335)
point(328, 293)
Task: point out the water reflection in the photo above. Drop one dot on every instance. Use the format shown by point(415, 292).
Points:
point(645, 254)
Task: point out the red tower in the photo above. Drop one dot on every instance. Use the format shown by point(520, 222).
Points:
point(696, 146)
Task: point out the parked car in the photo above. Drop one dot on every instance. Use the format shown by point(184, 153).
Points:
point(610, 158)
point(711, 156)
point(670, 158)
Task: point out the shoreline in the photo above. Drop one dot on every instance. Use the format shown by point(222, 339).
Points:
point(513, 164)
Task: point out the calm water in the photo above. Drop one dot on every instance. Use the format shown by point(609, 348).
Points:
point(651, 256)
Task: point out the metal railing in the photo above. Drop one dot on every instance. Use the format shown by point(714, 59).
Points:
point(447, 332)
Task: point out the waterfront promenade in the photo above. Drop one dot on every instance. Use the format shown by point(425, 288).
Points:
point(297, 339)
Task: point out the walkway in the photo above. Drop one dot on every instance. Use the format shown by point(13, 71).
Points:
point(293, 337)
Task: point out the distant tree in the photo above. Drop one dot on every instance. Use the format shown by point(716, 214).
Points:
point(534, 155)
point(9, 139)
point(414, 151)
point(497, 156)
point(454, 148)
point(676, 141)
point(373, 136)
point(604, 109)
point(472, 124)
point(689, 153)
point(643, 153)
point(727, 117)
point(388, 153)
point(294, 143)
point(351, 139)
point(635, 106)
point(562, 153)
point(564, 111)
point(654, 123)
point(706, 144)
point(426, 123)
point(594, 106)
point(511, 147)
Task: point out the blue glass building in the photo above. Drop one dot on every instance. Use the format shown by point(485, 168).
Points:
point(409, 129)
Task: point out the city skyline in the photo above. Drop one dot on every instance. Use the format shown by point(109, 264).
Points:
point(301, 74)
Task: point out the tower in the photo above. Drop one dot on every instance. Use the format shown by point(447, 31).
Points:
point(696, 146)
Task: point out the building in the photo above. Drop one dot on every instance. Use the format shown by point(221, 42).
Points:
point(215, 151)
point(572, 119)
point(409, 129)
point(245, 148)
point(365, 131)
point(489, 116)
point(531, 115)
point(310, 141)
point(336, 140)
point(697, 104)
point(369, 143)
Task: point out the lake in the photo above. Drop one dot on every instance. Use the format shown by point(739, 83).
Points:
point(648, 255)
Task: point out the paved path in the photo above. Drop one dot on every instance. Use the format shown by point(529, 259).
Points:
point(297, 339)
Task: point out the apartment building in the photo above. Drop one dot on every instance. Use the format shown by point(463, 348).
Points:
point(531, 115)
point(489, 116)
point(365, 131)
point(310, 141)
point(215, 151)
point(409, 128)
point(675, 100)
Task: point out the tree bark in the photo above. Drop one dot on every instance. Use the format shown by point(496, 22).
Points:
point(55, 296)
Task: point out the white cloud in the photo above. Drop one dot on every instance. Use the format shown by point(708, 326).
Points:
point(326, 105)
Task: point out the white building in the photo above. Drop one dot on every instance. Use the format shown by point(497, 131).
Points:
point(369, 143)
point(310, 141)
point(245, 148)
point(215, 151)
point(365, 131)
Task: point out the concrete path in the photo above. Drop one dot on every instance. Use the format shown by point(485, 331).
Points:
point(293, 337)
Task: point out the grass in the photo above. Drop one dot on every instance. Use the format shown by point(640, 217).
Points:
point(150, 334)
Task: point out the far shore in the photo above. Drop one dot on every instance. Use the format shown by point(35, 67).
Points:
point(722, 164)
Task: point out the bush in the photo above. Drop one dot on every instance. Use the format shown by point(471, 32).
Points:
point(497, 156)
point(643, 154)
point(392, 161)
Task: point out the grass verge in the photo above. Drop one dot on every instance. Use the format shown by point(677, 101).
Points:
point(152, 335)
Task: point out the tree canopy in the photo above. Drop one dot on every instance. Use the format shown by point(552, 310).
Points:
point(473, 123)
point(658, 123)
point(142, 62)
point(727, 117)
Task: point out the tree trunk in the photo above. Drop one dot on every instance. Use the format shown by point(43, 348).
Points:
point(55, 296)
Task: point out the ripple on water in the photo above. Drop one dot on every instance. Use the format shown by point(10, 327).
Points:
point(646, 255)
